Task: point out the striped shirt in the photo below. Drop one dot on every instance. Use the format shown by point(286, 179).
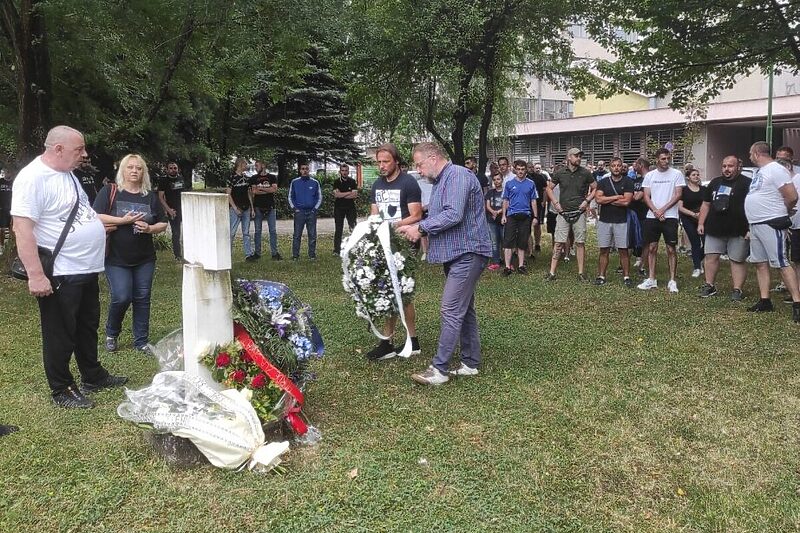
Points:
point(456, 222)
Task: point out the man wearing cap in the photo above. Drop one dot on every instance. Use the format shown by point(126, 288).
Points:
point(577, 186)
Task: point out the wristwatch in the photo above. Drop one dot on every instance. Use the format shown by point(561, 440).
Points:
point(422, 232)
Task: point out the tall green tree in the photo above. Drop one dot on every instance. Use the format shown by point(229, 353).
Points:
point(312, 120)
point(694, 48)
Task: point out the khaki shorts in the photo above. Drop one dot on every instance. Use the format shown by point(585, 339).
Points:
point(578, 228)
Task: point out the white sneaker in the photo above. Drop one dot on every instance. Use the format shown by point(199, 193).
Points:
point(696, 273)
point(423, 257)
point(464, 370)
point(430, 376)
point(648, 284)
point(672, 286)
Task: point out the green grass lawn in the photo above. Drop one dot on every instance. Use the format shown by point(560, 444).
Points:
point(597, 409)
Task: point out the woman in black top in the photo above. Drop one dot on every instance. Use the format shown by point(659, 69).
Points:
point(240, 201)
point(133, 214)
point(689, 207)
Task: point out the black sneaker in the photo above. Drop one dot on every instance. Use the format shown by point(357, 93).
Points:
point(796, 312)
point(414, 347)
point(628, 282)
point(736, 295)
point(582, 277)
point(599, 280)
point(537, 248)
point(643, 273)
point(257, 255)
point(109, 382)
point(382, 351)
point(763, 305)
point(7, 430)
point(277, 257)
point(507, 272)
point(522, 270)
point(619, 270)
point(707, 290)
point(550, 277)
point(251, 258)
point(788, 299)
point(111, 344)
point(72, 398)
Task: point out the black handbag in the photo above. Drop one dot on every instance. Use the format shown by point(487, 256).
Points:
point(46, 256)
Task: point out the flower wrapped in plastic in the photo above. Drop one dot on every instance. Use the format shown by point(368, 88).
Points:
point(378, 271)
point(223, 425)
point(275, 342)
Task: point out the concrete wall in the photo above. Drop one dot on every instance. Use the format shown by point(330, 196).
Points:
point(619, 103)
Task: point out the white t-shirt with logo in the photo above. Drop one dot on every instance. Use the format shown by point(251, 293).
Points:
point(47, 196)
point(765, 201)
point(662, 187)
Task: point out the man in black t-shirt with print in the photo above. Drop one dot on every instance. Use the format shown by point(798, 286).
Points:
point(723, 222)
point(345, 192)
point(395, 196)
point(170, 187)
point(264, 188)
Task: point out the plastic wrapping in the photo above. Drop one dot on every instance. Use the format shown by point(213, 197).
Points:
point(223, 425)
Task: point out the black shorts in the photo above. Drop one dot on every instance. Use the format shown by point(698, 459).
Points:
point(551, 222)
point(5, 218)
point(517, 231)
point(794, 248)
point(654, 229)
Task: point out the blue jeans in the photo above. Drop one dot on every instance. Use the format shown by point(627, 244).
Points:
point(496, 233)
point(459, 320)
point(130, 285)
point(273, 234)
point(244, 220)
point(307, 218)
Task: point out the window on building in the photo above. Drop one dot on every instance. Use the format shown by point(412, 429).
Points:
point(660, 138)
point(556, 109)
point(524, 109)
point(630, 146)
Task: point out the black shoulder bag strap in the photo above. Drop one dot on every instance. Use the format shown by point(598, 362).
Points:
point(70, 220)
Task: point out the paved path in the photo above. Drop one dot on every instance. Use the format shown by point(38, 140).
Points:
point(325, 226)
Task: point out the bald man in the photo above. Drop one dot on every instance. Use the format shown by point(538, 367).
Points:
point(45, 193)
point(723, 222)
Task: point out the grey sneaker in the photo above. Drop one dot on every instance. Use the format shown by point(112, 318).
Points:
point(599, 280)
point(111, 344)
point(550, 277)
point(736, 295)
point(707, 290)
point(430, 376)
point(464, 370)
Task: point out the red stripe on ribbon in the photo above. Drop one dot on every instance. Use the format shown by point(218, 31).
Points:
point(280, 379)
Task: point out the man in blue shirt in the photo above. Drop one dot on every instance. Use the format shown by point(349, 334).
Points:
point(459, 239)
point(519, 210)
point(305, 197)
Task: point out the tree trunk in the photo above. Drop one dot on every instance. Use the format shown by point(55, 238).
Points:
point(488, 109)
point(26, 33)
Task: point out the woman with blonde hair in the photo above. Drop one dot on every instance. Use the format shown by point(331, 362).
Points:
point(132, 214)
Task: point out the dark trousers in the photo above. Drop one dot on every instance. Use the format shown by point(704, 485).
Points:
point(175, 228)
point(70, 318)
point(339, 214)
point(458, 317)
point(690, 227)
point(130, 285)
point(305, 218)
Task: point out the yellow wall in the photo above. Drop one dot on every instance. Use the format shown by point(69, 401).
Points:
point(618, 103)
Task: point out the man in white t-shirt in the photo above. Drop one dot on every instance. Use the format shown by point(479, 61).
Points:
point(770, 201)
point(69, 294)
point(662, 190)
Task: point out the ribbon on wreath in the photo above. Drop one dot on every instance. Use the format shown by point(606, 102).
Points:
point(295, 403)
point(384, 237)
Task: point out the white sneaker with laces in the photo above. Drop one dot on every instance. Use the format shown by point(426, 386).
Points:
point(672, 286)
point(464, 370)
point(430, 376)
point(648, 284)
point(696, 273)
